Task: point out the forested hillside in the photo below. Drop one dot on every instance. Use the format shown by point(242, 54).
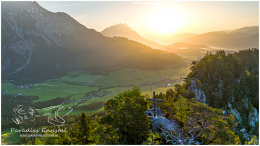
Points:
point(229, 82)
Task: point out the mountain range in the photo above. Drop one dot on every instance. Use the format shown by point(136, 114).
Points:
point(242, 38)
point(38, 44)
point(123, 30)
point(192, 45)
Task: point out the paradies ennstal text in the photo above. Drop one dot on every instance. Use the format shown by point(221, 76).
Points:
point(29, 130)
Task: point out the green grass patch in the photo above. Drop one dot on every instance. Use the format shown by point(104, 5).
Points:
point(8, 138)
point(50, 90)
point(82, 78)
point(124, 77)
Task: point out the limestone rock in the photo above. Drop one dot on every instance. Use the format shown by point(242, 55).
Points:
point(199, 94)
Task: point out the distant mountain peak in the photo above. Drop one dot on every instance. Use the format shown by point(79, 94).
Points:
point(119, 28)
point(123, 30)
point(122, 24)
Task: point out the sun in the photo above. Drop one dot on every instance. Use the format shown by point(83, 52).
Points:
point(166, 21)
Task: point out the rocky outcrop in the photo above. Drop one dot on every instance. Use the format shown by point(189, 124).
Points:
point(162, 125)
point(199, 94)
point(150, 112)
point(234, 112)
point(253, 118)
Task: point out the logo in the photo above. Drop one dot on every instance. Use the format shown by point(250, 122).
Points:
point(23, 113)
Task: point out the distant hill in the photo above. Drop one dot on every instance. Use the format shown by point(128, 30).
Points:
point(123, 30)
point(247, 37)
point(178, 37)
point(38, 45)
point(186, 50)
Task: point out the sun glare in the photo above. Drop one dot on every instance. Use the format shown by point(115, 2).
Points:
point(166, 21)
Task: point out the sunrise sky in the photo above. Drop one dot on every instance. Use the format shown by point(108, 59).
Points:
point(157, 20)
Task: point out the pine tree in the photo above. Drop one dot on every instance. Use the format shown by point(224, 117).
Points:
point(181, 108)
point(83, 127)
point(126, 116)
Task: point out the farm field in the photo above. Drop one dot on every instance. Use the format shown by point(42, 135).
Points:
point(74, 88)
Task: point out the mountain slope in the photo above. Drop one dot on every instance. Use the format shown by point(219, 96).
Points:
point(39, 45)
point(232, 39)
point(123, 30)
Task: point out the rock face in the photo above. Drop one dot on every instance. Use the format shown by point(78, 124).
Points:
point(199, 94)
point(253, 118)
point(234, 112)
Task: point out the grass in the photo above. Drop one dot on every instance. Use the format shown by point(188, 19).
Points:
point(51, 90)
point(128, 76)
point(8, 138)
point(77, 112)
point(87, 77)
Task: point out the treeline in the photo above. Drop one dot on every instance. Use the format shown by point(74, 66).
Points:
point(8, 103)
point(92, 106)
point(48, 103)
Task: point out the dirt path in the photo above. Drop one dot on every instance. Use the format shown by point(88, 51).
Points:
point(69, 111)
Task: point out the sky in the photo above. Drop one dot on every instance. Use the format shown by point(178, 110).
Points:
point(157, 20)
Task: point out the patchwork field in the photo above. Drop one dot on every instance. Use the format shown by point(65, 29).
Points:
point(75, 87)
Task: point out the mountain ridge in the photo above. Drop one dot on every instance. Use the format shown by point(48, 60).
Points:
point(222, 39)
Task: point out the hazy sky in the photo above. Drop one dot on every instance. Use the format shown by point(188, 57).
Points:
point(157, 19)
